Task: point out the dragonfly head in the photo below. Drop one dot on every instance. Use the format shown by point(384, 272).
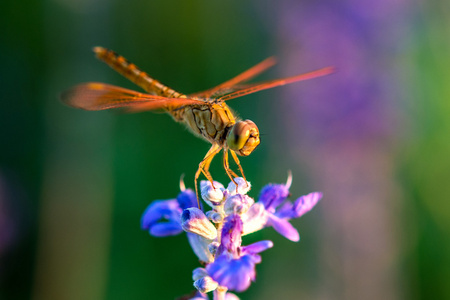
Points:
point(243, 137)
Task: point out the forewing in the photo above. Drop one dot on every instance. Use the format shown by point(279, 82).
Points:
point(100, 96)
point(255, 87)
point(243, 77)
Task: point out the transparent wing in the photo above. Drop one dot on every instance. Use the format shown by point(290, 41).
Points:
point(243, 77)
point(100, 96)
point(243, 90)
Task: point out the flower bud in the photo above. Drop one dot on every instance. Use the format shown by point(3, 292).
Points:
point(205, 284)
point(214, 216)
point(213, 195)
point(194, 220)
point(238, 204)
point(213, 247)
point(198, 273)
point(243, 186)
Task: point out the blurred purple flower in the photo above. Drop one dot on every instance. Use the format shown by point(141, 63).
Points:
point(10, 214)
point(348, 123)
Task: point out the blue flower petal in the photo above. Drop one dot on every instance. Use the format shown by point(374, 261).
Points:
point(305, 203)
point(165, 229)
point(283, 227)
point(187, 199)
point(164, 215)
point(256, 247)
point(273, 195)
point(235, 274)
point(160, 209)
point(286, 211)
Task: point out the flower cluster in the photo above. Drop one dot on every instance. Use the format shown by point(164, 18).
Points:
point(216, 236)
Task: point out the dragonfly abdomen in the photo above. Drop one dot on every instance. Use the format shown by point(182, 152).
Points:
point(133, 73)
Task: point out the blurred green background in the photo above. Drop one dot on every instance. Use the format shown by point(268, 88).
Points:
point(375, 137)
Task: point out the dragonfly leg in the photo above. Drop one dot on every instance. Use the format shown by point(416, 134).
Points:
point(226, 166)
point(203, 167)
point(236, 160)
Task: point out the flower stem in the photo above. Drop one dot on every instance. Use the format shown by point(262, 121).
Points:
point(219, 293)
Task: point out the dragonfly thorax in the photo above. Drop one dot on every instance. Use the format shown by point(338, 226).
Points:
point(243, 137)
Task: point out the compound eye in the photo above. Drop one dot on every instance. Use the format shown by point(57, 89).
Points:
point(238, 135)
point(243, 137)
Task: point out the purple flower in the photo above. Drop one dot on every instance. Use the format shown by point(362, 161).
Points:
point(216, 236)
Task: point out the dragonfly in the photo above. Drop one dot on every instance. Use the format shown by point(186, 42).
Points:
point(204, 113)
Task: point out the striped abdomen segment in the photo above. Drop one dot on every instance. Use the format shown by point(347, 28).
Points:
point(130, 71)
